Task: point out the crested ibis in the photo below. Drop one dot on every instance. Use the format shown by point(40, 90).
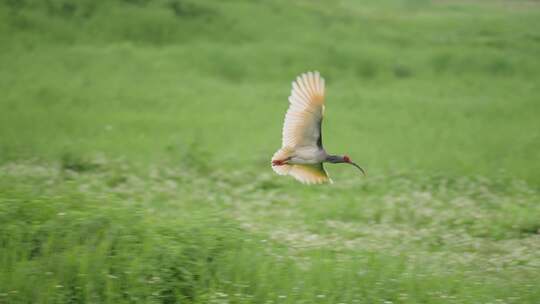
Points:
point(302, 154)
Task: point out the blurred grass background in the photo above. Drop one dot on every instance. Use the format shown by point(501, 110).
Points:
point(435, 86)
point(135, 138)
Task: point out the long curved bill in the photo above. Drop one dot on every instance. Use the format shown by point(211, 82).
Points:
point(357, 166)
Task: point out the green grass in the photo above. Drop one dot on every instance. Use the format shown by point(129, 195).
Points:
point(173, 235)
point(135, 138)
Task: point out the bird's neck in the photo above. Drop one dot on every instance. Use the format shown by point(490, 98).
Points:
point(334, 159)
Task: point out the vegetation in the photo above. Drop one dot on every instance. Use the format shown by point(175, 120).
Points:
point(135, 138)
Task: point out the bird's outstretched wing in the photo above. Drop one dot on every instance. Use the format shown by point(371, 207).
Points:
point(310, 174)
point(302, 126)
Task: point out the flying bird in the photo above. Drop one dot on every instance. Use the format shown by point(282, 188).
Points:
point(302, 154)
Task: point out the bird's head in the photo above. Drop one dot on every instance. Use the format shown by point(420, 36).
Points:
point(337, 159)
point(347, 159)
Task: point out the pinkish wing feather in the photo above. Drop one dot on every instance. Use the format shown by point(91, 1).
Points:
point(301, 125)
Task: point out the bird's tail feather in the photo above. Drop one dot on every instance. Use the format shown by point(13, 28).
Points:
point(282, 154)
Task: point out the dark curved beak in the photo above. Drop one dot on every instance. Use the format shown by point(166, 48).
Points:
point(357, 166)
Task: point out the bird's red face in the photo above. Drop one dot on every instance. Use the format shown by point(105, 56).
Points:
point(346, 159)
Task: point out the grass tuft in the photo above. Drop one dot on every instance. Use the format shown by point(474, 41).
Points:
point(78, 164)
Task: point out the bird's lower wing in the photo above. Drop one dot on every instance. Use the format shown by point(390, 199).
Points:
point(310, 174)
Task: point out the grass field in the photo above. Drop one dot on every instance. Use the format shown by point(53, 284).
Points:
point(135, 138)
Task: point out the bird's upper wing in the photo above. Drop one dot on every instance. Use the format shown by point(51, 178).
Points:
point(302, 126)
point(310, 174)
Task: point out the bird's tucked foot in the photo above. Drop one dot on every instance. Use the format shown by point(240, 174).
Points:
point(278, 162)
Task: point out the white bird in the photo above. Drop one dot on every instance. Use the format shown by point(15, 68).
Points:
point(302, 154)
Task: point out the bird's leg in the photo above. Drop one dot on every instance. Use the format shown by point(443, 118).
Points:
point(280, 162)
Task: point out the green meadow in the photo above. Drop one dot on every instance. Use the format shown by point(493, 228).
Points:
point(136, 136)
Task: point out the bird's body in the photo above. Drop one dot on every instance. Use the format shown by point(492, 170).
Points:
point(308, 155)
point(302, 154)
